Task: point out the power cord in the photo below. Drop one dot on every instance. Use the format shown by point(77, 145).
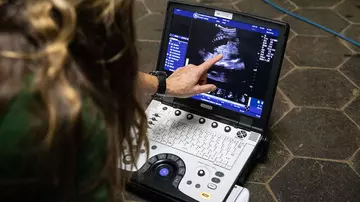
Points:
point(312, 23)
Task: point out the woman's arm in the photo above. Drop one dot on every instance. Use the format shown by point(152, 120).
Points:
point(147, 83)
point(184, 82)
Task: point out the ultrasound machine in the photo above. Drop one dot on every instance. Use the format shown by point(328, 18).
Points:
point(202, 148)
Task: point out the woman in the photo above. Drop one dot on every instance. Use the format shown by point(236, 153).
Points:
point(69, 94)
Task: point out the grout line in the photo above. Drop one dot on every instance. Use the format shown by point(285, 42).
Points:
point(337, 4)
point(146, 7)
point(342, 73)
point(315, 35)
point(345, 29)
point(282, 117)
point(317, 68)
point(292, 105)
point(343, 62)
point(296, 6)
point(295, 35)
point(281, 17)
point(348, 103)
point(289, 102)
point(148, 40)
point(345, 43)
point(351, 119)
point(316, 107)
point(236, 7)
point(287, 73)
point(295, 9)
point(293, 64)
point(317, 7)
point(284, 145)
point(143, 17)
point(342, 17)
point(352, 167)
point(320, 159)
point(258, 183)
point(271, 192)
point(353, 156)
point(280, 169)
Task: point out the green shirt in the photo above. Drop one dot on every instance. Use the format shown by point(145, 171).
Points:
point(15, 142)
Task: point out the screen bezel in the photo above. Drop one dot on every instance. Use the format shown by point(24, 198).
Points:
point(283, 28)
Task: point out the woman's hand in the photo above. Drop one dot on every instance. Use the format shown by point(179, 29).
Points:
point(190, 80)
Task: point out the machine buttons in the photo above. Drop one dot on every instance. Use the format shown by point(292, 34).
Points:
point(215, 180)
point(219, 174)
point(152, 159)
point(172, 157)
point(151, 123)
point(145, 167)
point(241, 134)
point(227, 129)
point(212, 186)
point(161, 156)
point(181, 171)
point(201, 120)
point(156, 115)
point(180, 163)
point(189, 182)
point(154, 119)
point(201, 173)
point(197, 186)
point(153, 147)
point(244, 133)
point(177, 112)
point(205, 195)
point(164, 172)
point(127, 159)
point(214, 125)
point(190, 116)
point(165, 108)
point(176, 181)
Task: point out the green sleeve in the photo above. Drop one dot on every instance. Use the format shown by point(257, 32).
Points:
point(15, 142)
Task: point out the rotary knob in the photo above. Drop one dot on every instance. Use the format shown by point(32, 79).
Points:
point(177, 113)
point(190, 116)
point(214, 125)
point(227, 129)
point(201, 173)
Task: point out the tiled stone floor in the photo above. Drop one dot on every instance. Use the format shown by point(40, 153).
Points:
point(314, 154)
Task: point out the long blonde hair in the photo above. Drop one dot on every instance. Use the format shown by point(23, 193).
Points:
point(74, 50)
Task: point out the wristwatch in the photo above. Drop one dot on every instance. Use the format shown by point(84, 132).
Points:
point(161, 75)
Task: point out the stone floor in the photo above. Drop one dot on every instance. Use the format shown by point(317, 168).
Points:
point(315, 124)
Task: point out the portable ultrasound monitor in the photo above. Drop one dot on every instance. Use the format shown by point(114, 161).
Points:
point(201, 146)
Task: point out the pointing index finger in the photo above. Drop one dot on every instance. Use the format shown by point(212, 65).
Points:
point(209, 63)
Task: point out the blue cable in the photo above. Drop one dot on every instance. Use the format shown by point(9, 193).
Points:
point(312, 23)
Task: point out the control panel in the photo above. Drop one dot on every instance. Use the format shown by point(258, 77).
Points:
point(196, 156)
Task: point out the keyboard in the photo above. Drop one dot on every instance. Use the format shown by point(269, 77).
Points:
point(218, 149)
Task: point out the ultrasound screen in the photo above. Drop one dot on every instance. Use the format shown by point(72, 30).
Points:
point(243, 73)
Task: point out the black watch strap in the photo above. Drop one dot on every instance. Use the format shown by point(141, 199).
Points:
point(162, 82)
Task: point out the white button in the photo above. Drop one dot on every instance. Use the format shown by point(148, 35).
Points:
point(127, 158)
point(212, 186)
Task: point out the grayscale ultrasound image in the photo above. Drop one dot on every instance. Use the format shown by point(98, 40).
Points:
point(237, 76)
point(225, 42)
point(232, 73)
